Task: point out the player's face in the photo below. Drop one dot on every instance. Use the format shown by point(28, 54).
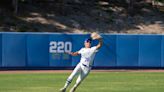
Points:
point(87, 44)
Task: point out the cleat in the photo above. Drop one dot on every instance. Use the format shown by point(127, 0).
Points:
point(73, 89)
point(63, 90)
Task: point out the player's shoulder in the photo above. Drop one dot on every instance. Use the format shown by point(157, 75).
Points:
point(93, 47)
point(82, 48)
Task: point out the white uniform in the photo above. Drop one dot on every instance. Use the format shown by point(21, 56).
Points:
point(84, 67)
point(87, 55)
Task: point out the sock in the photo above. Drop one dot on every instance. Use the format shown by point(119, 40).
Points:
point(67, 84)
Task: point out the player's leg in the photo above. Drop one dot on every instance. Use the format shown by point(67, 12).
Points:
point(70, 78)
point(81, 77)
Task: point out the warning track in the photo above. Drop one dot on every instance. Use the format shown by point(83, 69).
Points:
point(69, 71)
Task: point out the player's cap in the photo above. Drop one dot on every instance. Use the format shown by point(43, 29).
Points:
point(88, 40)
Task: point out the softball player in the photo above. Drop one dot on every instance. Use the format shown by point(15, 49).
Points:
point(83, 68)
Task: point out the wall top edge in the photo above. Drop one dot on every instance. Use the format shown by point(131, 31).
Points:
point(72, 33)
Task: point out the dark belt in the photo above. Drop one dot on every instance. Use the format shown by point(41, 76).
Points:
point(86, 65)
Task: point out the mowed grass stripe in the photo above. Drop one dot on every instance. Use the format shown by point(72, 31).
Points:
point(95, 82)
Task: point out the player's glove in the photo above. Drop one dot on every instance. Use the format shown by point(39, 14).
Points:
point(95, 36)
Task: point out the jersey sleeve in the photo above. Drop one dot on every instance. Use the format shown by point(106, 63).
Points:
point(94, 49)
point(80, 51)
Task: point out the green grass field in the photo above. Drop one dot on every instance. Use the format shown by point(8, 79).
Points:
point(95, 82)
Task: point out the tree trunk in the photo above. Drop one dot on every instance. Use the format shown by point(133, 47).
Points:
point(131, 7)
point(15, 5)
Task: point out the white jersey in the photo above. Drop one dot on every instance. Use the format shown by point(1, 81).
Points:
point(87, 55)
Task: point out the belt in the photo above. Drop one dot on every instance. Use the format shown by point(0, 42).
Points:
point(86, 65)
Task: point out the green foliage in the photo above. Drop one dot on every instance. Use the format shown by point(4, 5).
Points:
point(160, 0)
point(22, 28)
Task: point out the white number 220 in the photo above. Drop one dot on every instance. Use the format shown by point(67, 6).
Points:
point(60, 47)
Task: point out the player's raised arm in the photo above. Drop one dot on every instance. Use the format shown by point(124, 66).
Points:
point(99, 45)
point(96, 36)
point(73, 53)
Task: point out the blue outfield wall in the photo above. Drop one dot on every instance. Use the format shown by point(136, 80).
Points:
point(40, 50)
point(58, 45)
point(150, 50)
point(162, 52)
point(37, 50)
point(127, 50)
point(14, 50)
point(107, 56)
point(0, 50)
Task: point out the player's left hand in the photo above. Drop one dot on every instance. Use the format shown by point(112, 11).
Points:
point(95, 36)
point(68, 53)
